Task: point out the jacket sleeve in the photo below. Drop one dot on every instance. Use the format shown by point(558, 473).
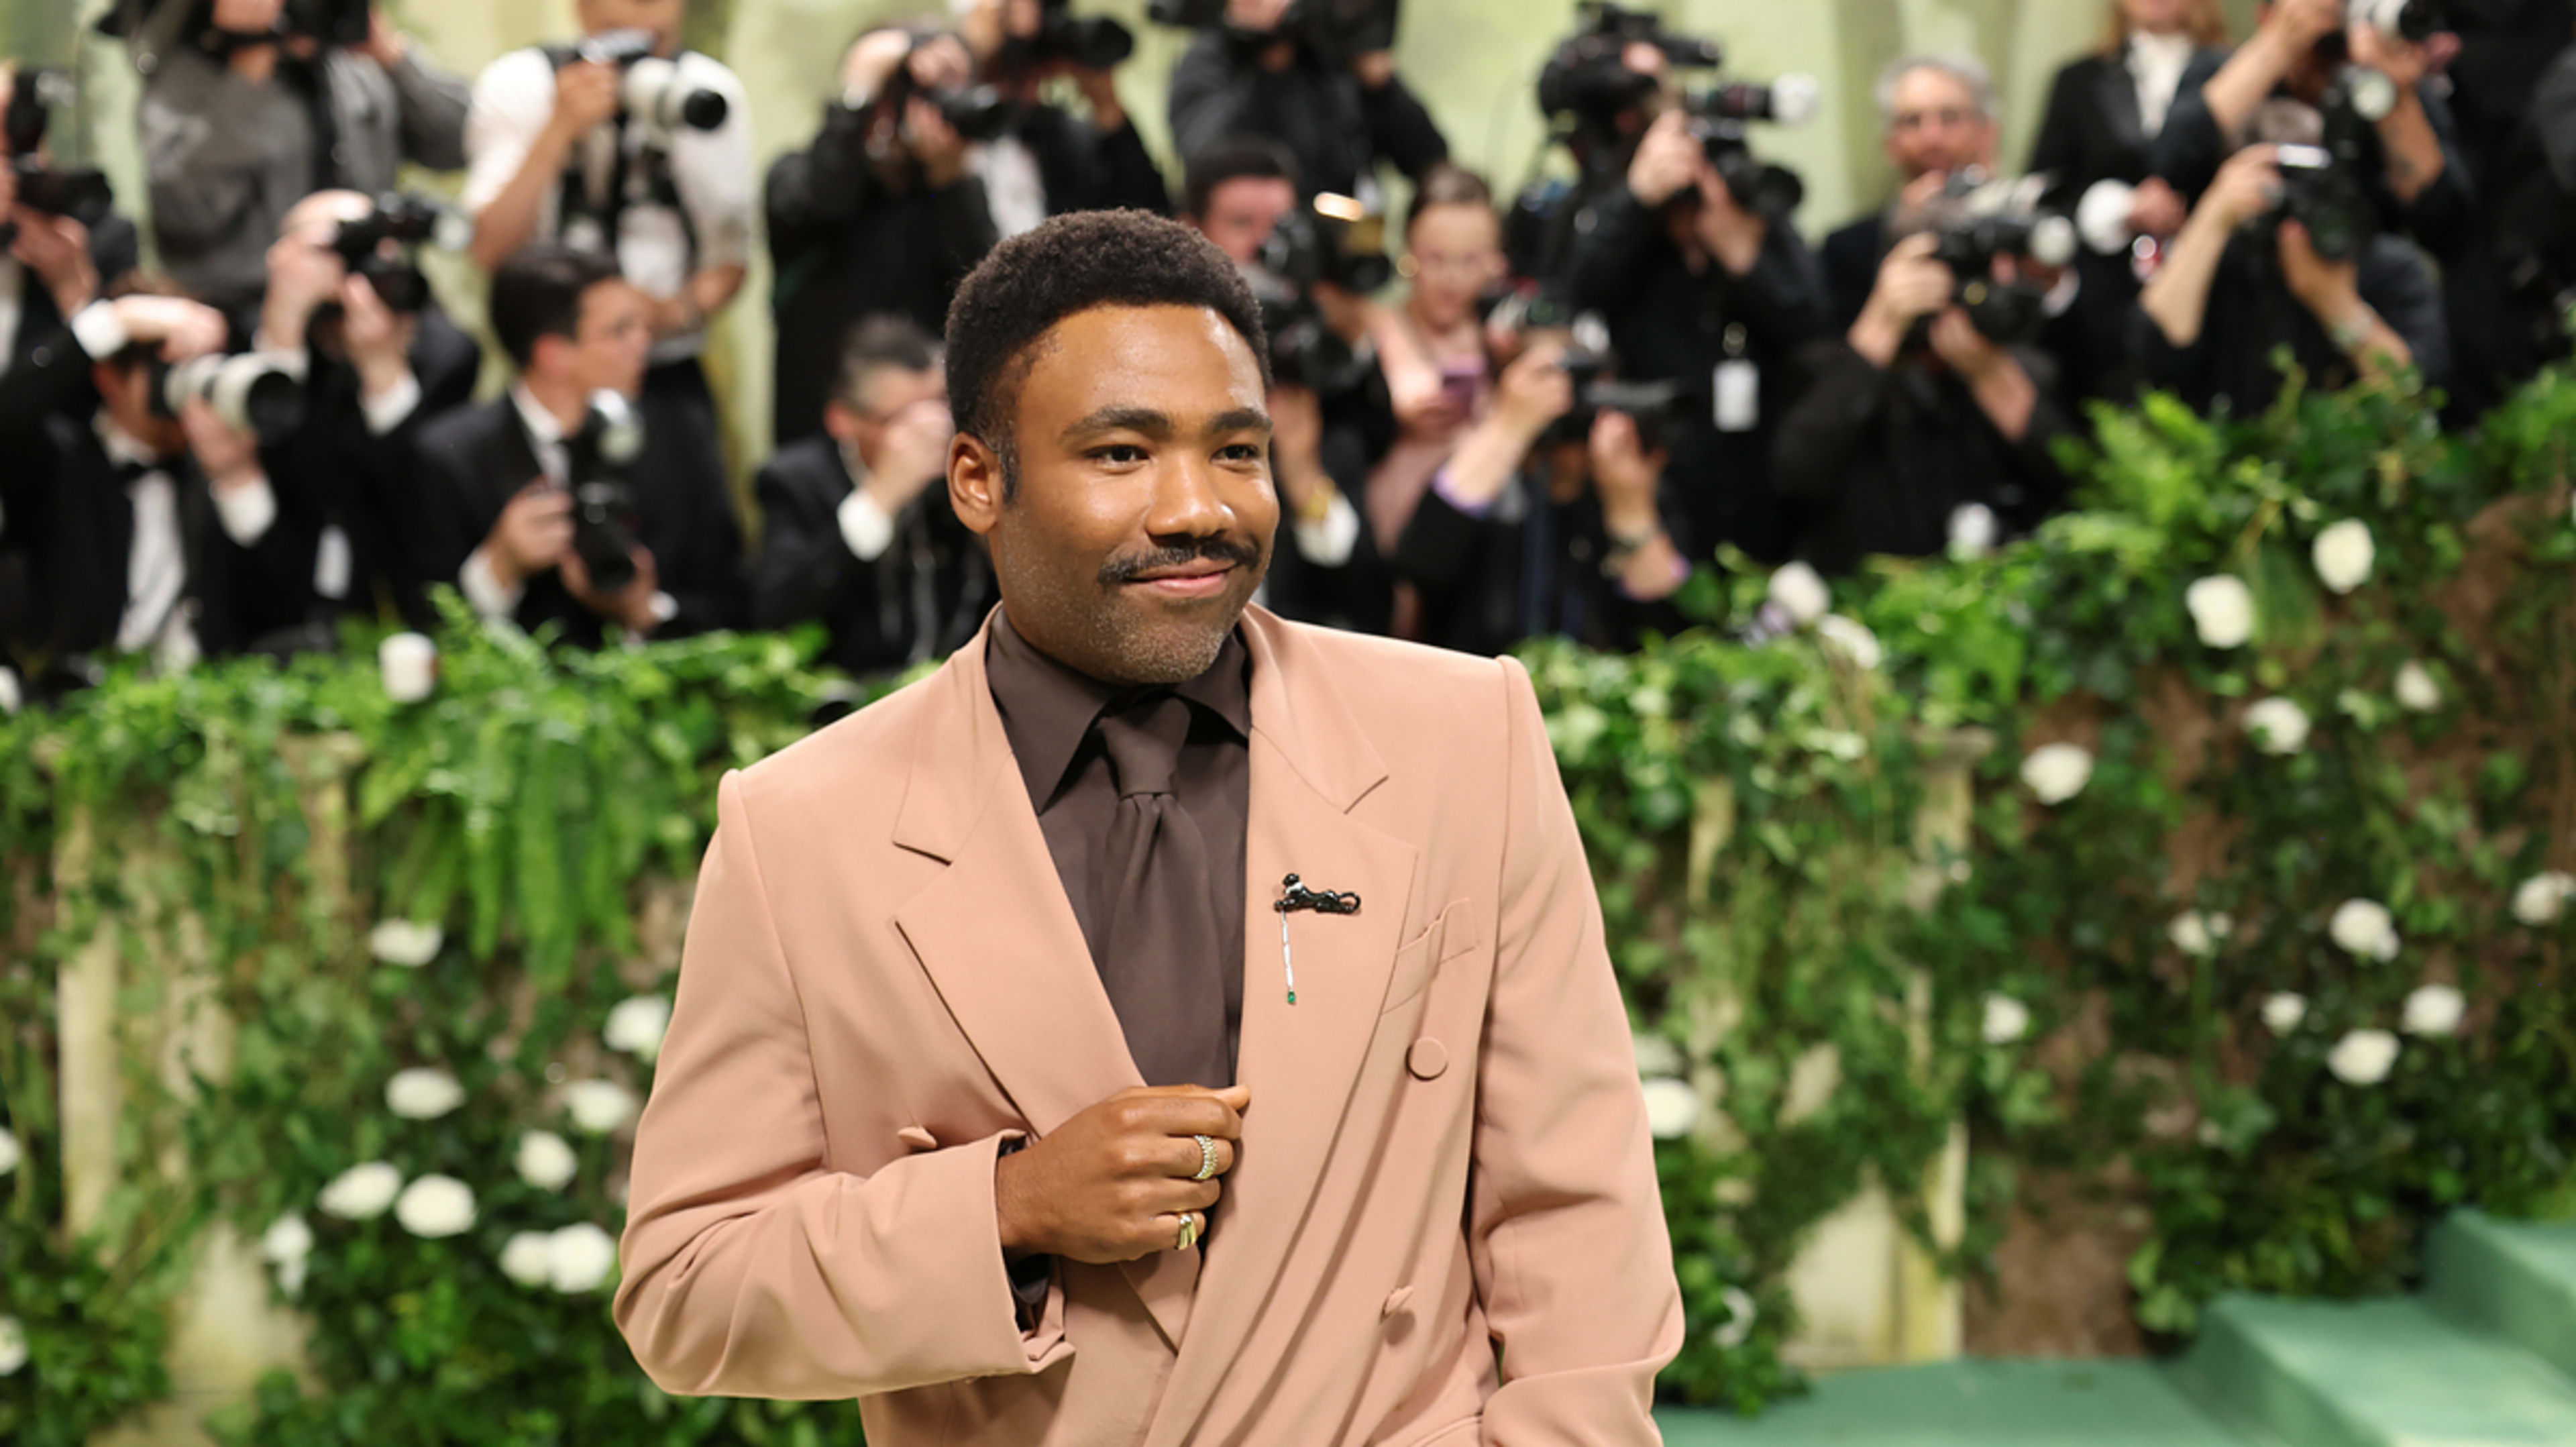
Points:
point(1607, 258)
point(2057, 151)
point(1401, 128)
point(1128, 177)
point(814, 192)
point(802, 558)
point(1565, 1221)
point(1209, 101)
point(751, 1269)
point(2188, 151)
point(707, 579)
point(434, 104)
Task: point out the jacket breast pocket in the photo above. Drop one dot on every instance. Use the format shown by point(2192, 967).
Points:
point(1452, 933)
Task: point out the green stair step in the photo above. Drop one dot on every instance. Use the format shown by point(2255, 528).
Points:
point(2376, 1374)
point(2513, 1279)
point(1972, 1404)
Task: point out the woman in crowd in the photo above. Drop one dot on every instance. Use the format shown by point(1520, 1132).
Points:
point(1432, 347)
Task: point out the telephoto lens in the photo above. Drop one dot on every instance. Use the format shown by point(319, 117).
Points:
point(2410, 20)
point(603, 500)
point(261, 393)
point(656, 97)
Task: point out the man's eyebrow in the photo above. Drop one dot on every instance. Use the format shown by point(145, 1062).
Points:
point(1241, 419)
point(1122, 419)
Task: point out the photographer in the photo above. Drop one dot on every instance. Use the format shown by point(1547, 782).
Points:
point(856, 529)
point(1339, 108)
point(1937, 118)
point(130, 530)
point(2364, 316)
point(627, 145)
point(1915, 414)
point(248, 112)
point(2303, 51)
point(1695, 286)
point(881, 214)
point(522, 501)
point(1048, 161)
point(51, 268)
point(1522, 538)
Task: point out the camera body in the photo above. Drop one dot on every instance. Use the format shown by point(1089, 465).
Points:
point(1333, 242)
point(653, 94)
point(1720, 118)
point(1335, 30)
point(1587, 82)
point(83, 195)
point(344, 23)
point(1976, 220)
point(1661, 410)
point(261, 393)
point(2324, 186)
point(409, 222)
point(599, 460)
point(1090, 42)
point(2408, 20)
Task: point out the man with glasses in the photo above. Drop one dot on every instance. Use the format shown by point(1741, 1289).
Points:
point(1938, 114)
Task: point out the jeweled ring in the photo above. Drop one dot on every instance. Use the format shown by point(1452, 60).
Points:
point(1207, 1158)
point(1189, 1231)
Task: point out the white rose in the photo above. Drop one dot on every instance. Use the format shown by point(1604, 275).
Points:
point(1850, 638)
point(1672, 1108)
point(579, 1257)
point(2007, 1020)
point(12, 698)
point(401, 942)
point(1972, 530)
point(545, 1161)
point(1740, 1314)
point(528, 1258)
point(361, 1193)
point(408, 663)
point(2363, 1057)
point(2343, 555)
point(1800, 592)
point(2416, 690)
point(2222, 610)
point(13, 1346)
point(2057, 772)
point(2542, 899)
point(2435, 1010)
point(422, 1093)
point(286, 1245)
point(1657, 1056)
point(436, 1206)
point(2364, 929)
point(2283, 1012)
point(637, 1026)
point(599, 1107)
point(2196, 934)
point(10, 1153)
point(2278, 726)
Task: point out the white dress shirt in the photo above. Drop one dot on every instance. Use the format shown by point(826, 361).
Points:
point(13, 305)
point(482, 586)
point(156, 562)
point(2156, 64)
point(713, 171)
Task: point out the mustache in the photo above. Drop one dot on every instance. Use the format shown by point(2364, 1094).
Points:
point(1214, 549)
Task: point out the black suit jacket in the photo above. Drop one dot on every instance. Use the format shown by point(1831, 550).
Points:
point(2092, 130)
point(470, 463)
point(1851, 257)
point(1085, 170)
point(47, 371)
point(923, 597)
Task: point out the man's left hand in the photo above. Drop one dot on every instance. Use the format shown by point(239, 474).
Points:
point(1374, 68)
point(2400, 60)
point(56, 249)
point(1969, 352)
point(630, 607)
point(229, 456)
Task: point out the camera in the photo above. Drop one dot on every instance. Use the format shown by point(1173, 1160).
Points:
point(1660, 409)
point(653, 93)
point(261, 393)
point(2408, 20)
point(598, 458)
point(1092, 43)
point(1334, 242)
point(344, 23)
point(2322, 185)
point(409, 222)
point(1336, 30)
point(82, 195)
point(1975, 220)
point(1719, 116)
point(1587, 82)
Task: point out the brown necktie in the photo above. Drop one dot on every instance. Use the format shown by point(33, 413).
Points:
point(1158, 953)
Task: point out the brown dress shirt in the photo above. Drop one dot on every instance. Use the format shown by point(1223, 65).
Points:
point(1048, 713)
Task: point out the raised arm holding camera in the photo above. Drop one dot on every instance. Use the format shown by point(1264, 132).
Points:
point(626, 144)
point(1047, 161)
point(882, 213)
point(254, 105)
point(61, 246)
point(1317, 76)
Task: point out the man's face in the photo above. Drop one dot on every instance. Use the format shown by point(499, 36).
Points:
point(125, 393)
point(1937, 127)
point(1144, 512)
point(890, 395)
point(662, 17)
point(1243, 212)
point(614, 342)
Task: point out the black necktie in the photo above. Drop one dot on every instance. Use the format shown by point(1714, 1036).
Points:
point(1158, 937)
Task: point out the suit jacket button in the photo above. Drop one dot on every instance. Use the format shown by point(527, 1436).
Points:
point(1395, 1301)
point(1427, 1058)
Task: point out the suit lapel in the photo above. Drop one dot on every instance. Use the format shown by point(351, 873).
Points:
point(2118, 90)
point(1311, 765)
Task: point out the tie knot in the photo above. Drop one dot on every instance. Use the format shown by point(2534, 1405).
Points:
point(1144, 742)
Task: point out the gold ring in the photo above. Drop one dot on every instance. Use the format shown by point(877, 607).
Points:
point(1207, 1158)
point(1189, 1231)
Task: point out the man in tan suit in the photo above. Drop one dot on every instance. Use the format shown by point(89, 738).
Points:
point(990, 1011)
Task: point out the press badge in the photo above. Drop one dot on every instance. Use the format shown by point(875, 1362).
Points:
point(331, 564)
point(1738, 390)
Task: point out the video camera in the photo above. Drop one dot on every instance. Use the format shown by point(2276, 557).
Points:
point(261, 393)
point(1587, 81)
point(344, 23)
point(1719, 115)
point(599, 458)
point(1660, 409)
point(1976, 219)
point(1333, 29)
point(1589, 91)
point(653, 95)
point(409, 222)
point(1092, 43)
point(82, 195)
point(1334, 242)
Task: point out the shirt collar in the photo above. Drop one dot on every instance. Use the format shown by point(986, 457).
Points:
point(1048, 709)
point(123, 448)
point(2169, 52)
point(542, 427)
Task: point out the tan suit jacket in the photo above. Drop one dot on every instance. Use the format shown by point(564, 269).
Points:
point(1444, 1226)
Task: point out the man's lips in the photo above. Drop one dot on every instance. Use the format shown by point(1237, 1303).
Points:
point(1194, 580)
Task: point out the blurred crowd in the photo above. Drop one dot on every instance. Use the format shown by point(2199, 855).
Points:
point(1497, 417)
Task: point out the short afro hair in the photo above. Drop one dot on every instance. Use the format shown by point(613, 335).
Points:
point(1072, 264)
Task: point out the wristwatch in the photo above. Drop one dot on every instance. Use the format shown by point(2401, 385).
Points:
point(2352, 331)
point(1624, 546)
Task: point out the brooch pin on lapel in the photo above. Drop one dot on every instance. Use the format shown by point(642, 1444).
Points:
point(1294, 896)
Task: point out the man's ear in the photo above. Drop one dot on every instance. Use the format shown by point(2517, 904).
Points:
point(975, 487)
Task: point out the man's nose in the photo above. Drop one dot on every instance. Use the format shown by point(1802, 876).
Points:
point(1186, 499)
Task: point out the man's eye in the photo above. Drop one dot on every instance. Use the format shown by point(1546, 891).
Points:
point(1244, 452)
point(1119, 455)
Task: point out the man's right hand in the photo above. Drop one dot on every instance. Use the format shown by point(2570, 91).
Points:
point(587, 94)
point(915, 456)
point(1667, 160)
point(2297, 25)
point(1912, 283)
point(180, 327)
point(301, 277)
point(2246, 187)
point(1111, 1184)
point(533, 534)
